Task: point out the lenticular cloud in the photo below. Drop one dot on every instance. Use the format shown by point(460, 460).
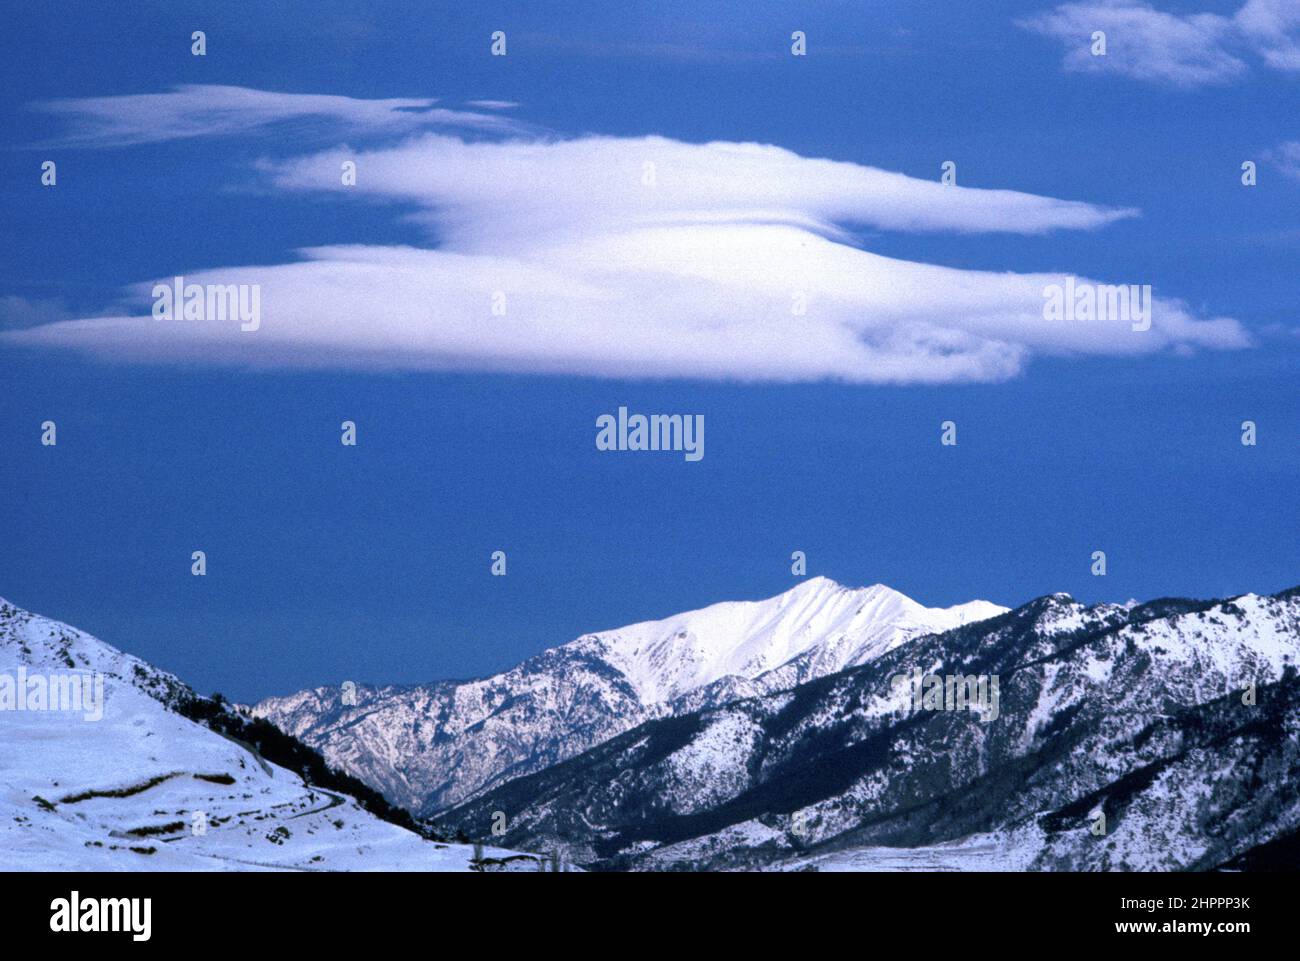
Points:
point(644, 257)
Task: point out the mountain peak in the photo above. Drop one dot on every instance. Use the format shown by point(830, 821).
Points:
point(816, 581)
point(815, 585)
point(820, 586)
point(819, 622)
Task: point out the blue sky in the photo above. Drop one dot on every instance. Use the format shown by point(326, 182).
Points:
point(372, 563)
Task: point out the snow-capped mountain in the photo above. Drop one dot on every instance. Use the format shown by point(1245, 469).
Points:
point(431, 746)
point(115, 777)
point(1155, 736)
point(816, 628)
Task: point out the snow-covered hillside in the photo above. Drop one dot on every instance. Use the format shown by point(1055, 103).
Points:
point(431, 746)
point(142, 788)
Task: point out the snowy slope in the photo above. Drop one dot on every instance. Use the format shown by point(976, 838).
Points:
point(125, 791)
point(431, 746)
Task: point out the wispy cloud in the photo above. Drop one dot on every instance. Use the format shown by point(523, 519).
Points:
point(1184, 50)
point(205, 110)
point(1286, 157)
point(648, 257)
point(1273, 28)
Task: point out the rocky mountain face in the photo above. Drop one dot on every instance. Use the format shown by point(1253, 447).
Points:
point(1157, 736)
point(431, 746)
point(109, 764)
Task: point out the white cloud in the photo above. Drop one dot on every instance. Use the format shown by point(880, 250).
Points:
point(1273, 27)
point(204, 110)
point(684, 301)
point(1185, 50)
point(694, 274)
point(1286, 157)
point(483, 194)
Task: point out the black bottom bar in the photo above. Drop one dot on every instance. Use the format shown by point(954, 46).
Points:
point(333, 911)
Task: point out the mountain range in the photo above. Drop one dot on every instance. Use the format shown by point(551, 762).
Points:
point(827, 728)
point(431, 746)
point(1159, 736)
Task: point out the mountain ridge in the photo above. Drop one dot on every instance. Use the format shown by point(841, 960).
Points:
point(429, 746)
point(1137, 712)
